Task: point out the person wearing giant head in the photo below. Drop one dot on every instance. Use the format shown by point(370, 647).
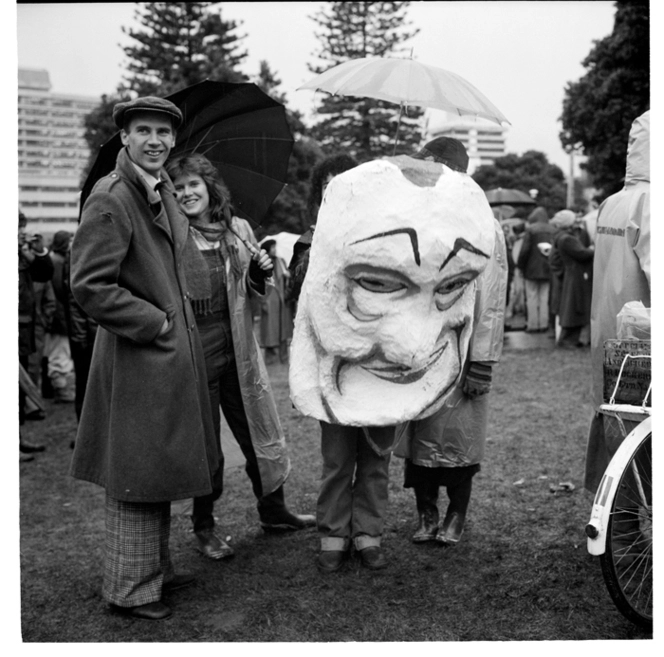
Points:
point(384, 321)
point(145, 432)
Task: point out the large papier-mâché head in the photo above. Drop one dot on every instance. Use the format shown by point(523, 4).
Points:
point(386, 309)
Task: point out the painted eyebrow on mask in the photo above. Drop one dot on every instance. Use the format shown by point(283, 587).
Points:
point(461, 244)
point(411, 232)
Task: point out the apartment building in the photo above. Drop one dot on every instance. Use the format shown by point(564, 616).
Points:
point(484, 140)
point(52, 151)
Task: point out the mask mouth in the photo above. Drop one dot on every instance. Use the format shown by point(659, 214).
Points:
point(401, 374)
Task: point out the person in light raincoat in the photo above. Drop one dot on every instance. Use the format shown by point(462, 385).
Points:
point(621, 273)
point(222, 276)
point(446, 448)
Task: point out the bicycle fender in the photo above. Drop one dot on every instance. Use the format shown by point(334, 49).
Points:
point(597, 527)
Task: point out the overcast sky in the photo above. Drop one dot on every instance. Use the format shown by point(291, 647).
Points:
point(519, 54)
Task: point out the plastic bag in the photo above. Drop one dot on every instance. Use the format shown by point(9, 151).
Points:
point(634, 322)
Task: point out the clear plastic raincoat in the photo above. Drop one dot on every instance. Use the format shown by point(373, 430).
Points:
point(267, 436)
point(621, 273)
point(456, 434)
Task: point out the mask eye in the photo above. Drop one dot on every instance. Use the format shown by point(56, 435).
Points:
point(448, 292)
point(372, 291)
point(379, 285)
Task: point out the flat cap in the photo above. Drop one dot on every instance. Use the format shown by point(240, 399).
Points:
point(446, 150)
point(147, 104)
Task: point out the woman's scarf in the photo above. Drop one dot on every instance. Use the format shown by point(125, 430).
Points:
point(196, 268)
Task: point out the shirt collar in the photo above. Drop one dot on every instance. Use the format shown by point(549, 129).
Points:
point(149, 179)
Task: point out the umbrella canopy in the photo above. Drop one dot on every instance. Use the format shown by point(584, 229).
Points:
point(500, 196)
point(406, 82)
point(240, 129)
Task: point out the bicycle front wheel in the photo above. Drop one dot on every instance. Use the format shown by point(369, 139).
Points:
point(627, 562)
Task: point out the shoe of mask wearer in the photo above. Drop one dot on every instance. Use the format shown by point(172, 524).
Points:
point(213, 547)
point(329, 561)
point(373, 558)
point(451, 529)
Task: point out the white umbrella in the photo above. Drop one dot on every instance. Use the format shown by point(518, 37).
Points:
point(406, 82)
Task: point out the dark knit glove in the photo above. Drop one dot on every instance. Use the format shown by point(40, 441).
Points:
point(478, 380)
point(258, 276)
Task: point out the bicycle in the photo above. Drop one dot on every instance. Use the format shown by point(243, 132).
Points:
point(620, 526)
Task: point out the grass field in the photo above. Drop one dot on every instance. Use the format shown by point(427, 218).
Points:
point(521, 571)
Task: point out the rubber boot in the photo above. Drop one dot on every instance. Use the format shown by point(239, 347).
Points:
point(455, 518)
point(426, 498)
point(275, 516)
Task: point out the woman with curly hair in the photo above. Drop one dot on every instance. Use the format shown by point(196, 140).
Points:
point(222, 274)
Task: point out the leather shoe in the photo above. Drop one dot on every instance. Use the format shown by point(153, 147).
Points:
point(178, 582)
point(373, 558)
point(23, 458)
point(329, 561)
point(212, 546)
point(285, 521)
point(150, 611)
point(28, 448)
point(452, 528)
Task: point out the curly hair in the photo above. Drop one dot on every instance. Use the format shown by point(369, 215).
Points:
point(196, 164)
point(331, 165)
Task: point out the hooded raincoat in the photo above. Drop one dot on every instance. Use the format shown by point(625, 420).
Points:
point(621, 273)
point(455, 436)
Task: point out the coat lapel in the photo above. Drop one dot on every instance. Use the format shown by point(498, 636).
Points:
point(173, 216)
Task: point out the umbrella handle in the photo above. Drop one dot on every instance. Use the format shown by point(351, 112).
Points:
point(396, 137)
point(255, 253)
point(250, 247)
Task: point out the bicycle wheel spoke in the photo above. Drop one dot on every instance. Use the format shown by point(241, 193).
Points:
point(627, 564)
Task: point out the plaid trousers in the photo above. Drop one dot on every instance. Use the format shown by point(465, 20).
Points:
point(137, 559)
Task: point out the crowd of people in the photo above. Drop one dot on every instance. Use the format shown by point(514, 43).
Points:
point(551, 275)
point(166, 283)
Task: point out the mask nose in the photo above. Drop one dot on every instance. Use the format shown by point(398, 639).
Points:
point(410, 338)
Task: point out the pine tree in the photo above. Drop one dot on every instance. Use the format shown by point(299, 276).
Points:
point(181, 43)
point(363, 127)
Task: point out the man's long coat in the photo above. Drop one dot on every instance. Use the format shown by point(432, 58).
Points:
point(145, 432)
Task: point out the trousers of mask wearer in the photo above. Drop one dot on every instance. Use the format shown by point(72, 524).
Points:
point(353, 494)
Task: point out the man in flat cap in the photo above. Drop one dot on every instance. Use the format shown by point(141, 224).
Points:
point(145, 432)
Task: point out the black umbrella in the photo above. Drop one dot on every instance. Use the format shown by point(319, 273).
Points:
point(500, 196)
point(240, 129)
